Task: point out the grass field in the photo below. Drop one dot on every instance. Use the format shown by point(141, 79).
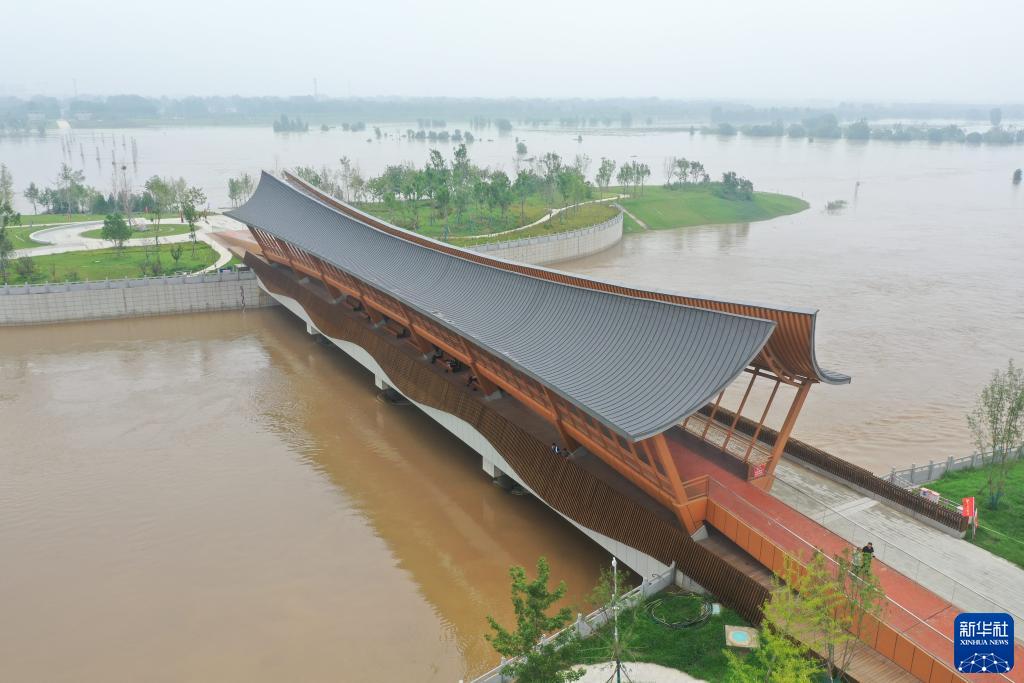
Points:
point(1000, 531)
point(474, 221)
point(165, 230)
point(19, 236)
point(698, 650)
point(103, 264)
point(662, 208)
point(49, 219)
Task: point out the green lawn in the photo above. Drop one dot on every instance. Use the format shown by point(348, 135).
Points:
point(165, 230)
point(50, 219)
point(19, 236)
point(103, 264)
point(1000, 531)
point(697, 651)
point(661, 208)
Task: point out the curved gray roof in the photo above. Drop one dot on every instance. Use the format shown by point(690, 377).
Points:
point(638, 366)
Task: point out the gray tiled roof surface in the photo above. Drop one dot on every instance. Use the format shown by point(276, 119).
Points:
point(639, 366)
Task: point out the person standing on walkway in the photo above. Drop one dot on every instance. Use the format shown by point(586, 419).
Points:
point(866, 553)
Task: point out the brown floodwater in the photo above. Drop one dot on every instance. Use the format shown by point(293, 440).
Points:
point(218, 497)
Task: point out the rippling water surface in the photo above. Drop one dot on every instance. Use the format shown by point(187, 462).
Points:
point(217, 497)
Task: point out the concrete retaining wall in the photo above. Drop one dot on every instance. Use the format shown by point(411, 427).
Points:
point(562, 246)
point(64, 302)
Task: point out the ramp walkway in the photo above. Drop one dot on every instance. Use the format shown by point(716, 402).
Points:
point(964, 574)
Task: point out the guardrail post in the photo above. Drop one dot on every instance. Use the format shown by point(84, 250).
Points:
point(892, 476)
point(931, 469)
point(949, 464)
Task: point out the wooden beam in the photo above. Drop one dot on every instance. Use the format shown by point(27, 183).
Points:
point(787, 427)
point(661, 450)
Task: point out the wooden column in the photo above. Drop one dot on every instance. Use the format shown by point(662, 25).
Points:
point(660, 448)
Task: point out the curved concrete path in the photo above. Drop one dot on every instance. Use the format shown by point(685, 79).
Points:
point(68, 237)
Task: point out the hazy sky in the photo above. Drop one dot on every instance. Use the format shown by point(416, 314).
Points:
point(774, 50)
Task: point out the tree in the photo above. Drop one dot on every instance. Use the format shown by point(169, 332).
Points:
point(697, 173)
point(192, 199)
point(25, 267)
point(116, 229)
point(176, 252)
point(525, 184)
point(1017, 177)
point(824, 605)
point(641, 173)
point(668, 167)
point(8, 216)
point(520, 149)
point(70, 182)
point(997, 425)
point(604, 174)
point(161, 193)
point(6, 186)
point(531, 601)
point(500, 191)
point(995, 116)
point(32, 194)
point(625, 176)
point(682, 170)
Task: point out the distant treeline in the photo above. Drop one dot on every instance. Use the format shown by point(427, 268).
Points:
point(827, 126)
point(18, 115)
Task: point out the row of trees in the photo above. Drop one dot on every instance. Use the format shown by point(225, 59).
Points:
point(240, 189)
point(70, 195)
point(457, 191)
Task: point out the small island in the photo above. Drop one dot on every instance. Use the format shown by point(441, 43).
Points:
point(468, 205)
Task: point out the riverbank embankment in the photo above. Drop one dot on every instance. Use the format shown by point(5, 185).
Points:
point(128, 298)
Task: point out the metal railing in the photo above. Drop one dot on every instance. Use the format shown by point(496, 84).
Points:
point(585, 626)
point(122, 283)
point(915, 475)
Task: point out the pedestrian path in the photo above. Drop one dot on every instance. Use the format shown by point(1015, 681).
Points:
point(968, 576)
point(66, 238)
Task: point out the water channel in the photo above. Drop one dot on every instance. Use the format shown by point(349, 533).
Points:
point(218, 497)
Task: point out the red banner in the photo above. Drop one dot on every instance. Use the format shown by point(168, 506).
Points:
point(968, 507)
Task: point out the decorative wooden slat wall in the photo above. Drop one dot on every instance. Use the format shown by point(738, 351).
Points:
point(561, 483)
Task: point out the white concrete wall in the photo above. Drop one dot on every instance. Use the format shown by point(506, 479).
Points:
point(562, 246)
point(641, 563)
point(50, 303)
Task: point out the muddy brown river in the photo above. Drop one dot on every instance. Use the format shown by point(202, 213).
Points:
point(219, 498)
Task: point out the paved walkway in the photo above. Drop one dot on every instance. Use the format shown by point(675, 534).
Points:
point(914, 611)
point(631, 215)
point(68, 237)
point(968, 576)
